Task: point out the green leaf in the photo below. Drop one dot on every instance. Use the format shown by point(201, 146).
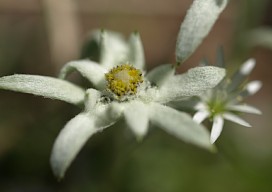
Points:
point(48, 87)
point(198, 22)
point(193, 83)
point(180, 125)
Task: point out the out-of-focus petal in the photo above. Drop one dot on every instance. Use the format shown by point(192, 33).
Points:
point(217, 127)
point(240, 76)
point(200, 116)
point(236, 119)
point(244, 108)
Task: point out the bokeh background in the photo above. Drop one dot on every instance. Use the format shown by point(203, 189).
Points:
point(38, 37)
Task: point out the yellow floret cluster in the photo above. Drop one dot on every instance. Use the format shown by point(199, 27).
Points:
point(124, 80)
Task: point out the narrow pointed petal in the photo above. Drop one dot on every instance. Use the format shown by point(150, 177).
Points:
point(217, 128)
point(251, 88)
point(240, 76)
point(91, 99)
point(248, 66)
point(200, 116)
point(48, 87)
point(198, 22)
point(180, 125)
point(76, 133)
point(200, 106)
point(114, 49)
point(236, 119)
point(244, 109)
point(90, 70)
point(136, 55)
point(136, 116)
point(192, 83)
point(161, 74)
point(70, 141)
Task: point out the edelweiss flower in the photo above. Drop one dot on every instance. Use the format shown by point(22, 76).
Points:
point(120, 88)
point(226, 100)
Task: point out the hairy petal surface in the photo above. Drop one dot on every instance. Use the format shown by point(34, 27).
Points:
point(198, 22)
point(76, 133)
point(180, 125)
point(192, 83)
point(48, 87)
point(90, 70)
point(114, 49)
point(70, 141)
point(136, 51)
point(136, 116)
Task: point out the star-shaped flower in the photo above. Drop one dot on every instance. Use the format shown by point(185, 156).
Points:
point(123, 89)
point(120, 88)
point(226, 101)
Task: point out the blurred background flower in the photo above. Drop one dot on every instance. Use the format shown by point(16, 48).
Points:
point(38, 37)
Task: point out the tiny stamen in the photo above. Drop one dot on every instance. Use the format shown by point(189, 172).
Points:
point(124, 80)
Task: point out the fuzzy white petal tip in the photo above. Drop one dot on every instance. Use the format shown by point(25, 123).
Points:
point(236, 119)
point(70, 141)
point(253, 87)
point(200, 116)
point(200, 106)
point(244, 109)
point(248, 66)
point(217, 128)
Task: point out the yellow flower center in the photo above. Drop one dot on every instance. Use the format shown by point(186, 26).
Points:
point(124, 80)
